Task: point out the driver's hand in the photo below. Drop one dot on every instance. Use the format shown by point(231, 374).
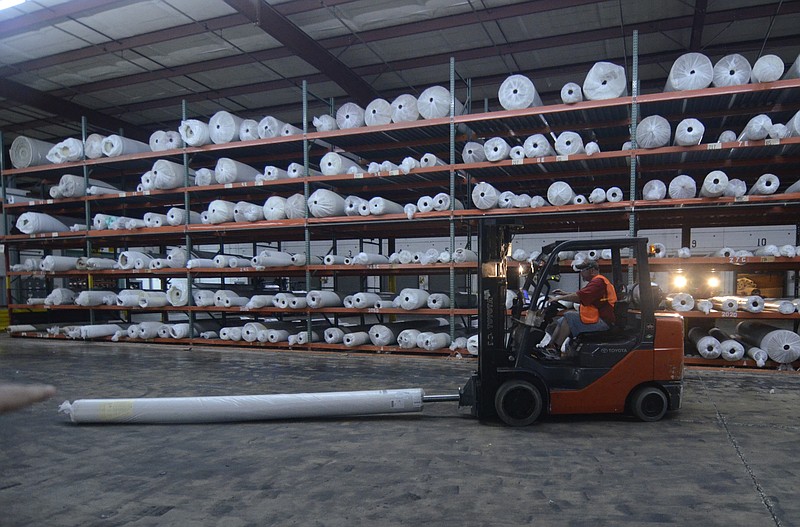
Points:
point(559, 292)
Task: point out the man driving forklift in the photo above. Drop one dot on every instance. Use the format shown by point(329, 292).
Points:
point(596, 309)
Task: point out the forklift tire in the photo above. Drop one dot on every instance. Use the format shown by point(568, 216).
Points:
point(518, 403)
point(649, 403)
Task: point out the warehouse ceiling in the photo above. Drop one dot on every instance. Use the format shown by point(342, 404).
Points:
point(136, 66)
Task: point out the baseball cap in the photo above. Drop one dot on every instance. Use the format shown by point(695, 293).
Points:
point(587, 264)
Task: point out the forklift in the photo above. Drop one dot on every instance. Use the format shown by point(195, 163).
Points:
point(635, 367)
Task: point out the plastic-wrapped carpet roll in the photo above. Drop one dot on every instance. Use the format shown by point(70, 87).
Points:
point(517, 152)
point(714, 184)
point(517, 92)
point(681, 302)
point(485, 196)
point(289, 129)
point(169, 175)
point(462, 255)
point(363, 258)
point(318, 299)
point(411, 299)
point(350, 115)
point(386, 334)
point(614, 195)
point(158, 263)
point(333, 163)
point(579, 199)
point(506, 200)
point(605, 81)
point(325, 123)
point(203, 177)
point(233, 333)
point(522, 201)
point(766, 184)
point(247, 212)
point(727, 136)
point(430, 160)
point(248, 130)
point(66, 151)
point(438, 301)
point(659, 250)
point(72, 186)
point(296, 170)
point(259, 301)
point(751, 304)
point(788, 251)
point(731, 70)
point(441, 201)
point(569, 143)
point(98, 331)
point(388, 166)
point(736, 188)
point(425, 204)
point(334, 259)
point(269, 127)
point(230, 171)
point(177, 295)
point(352, 205)
point(689, 132)
point(560, 193)
point(93, 147)
point(272, 258)
point(220, 211)
point(380, 206)
point(757, 354)
point(537, 145)
point(378, 112)
point(496, 149)
point(93, 264)
point(473, 153)
point(726, 304)
point(768, 250)
point(296, 206)
point(199, 263)
point(203, 297)
point(177, 257)
point(654, 190)
point(275, 208)
point(682, 187)
point(224, 127)
point(690, 71)
point(408, 164)
point(36, 222)
point(324, 203)
point(730, 349)
point(432, 341)
point(653, 132)
point(96, 298)
point(779, 305)
point(591, 148)
point(404, 108)
point(364, 300)
point(407, 339)
point(782, 345)
point(153, 299)
point(779, 131)
point(272, 173)
point(571, 93)
point(435, 101)
point(597, 195)
point(27, 152)
point(706, 345)
point(129, 297)
point(704, 305)
point(155, 220)
point(768, 68)
point(61, 296)
point(116, 145)
point(756, 128)
point(725, 252)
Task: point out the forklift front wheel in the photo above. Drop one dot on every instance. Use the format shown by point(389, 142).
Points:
point(649, 403)
point(518, 403)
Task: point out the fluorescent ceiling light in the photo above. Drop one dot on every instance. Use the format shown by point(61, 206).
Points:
point(5, 4)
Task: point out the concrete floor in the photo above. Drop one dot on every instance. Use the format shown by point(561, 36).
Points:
point(729, 457)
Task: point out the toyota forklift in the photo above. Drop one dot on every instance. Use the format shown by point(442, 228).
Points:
point(635, 367)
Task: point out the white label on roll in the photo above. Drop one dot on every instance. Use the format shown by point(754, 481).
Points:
point(730, 314)
point(738, 199)
point(373, 310)
point(540, 160)
point(714, 146)
point(772, 142)
point(562, 158)
point(2, 248)
point(517, 161)
point(394, 172)
point(49, 201)
point(146, 193)
point(228, 185)
point(767, 258)
point(358, 175)
point(122, 195)
point(54, 235)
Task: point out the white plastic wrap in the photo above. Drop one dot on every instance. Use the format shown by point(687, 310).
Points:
point(133, 260)
point(93, 147)
point(28, 152)
point(756, 128)
point(259, 301)
point(614, 195)
point(177, 257)
point(169, 175)
point(473, 152)
point(485, 196)
point(363, 258)
point(324, 123)
point(506, 200)
point(462, 255)
point(96, 298)
point(220, 211)
point(404, 108)
point(194, 132)
point(318, 299)
point(350, 115)
point(430, 160)
point(378, 112)
point(591, 148)
point(270, 127)
point(768, 250)
point(229, 171)
point(224, 127)
point(757, 354)
point(435, 101)
point(704, 305)
point(72, 186)
point(654, 190)
point(560, 193)
point(116, 145)
point(176, 216)
point(682, 187)
point(727, 304)
point(275, 208)
point(597, 195)
point(381, 206)
point(410, 299)
point(684, 252)
point(569, 143)
point(355, 338)
point(707, 346)
point(248, 130)
point(517, 152)
point(296, 170)
point(766, 184)
point(605, 81)
point(689, 132)
point(681, 302)
point(768, 68)
point(714, 184)
point(782, 346)
point(323, 203)
point(731, 70)
point(364, 300)
point(247, 212)
point(690, 71)
point(735, 188)
point(441, 201)
point(517, 92)
point(203, 177)
point(66, 151)
point(62, 296)
point(289, 129)
point(727, 136)
point(333, 163)
point(751, 304)
point(571, 93)
point(36, 222)
point(272, 258)
point(177, 295)
point(653, 132)
point(296, 206)
point(496, 149)
point(781, 306)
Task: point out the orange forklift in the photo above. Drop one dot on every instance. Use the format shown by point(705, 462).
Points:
point(636, 367)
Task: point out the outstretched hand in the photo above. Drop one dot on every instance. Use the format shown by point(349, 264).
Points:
point(16, 396)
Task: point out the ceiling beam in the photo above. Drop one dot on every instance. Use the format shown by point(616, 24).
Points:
point(24, 95)
point(696, 40)
point(272, 22)
point(49, 16)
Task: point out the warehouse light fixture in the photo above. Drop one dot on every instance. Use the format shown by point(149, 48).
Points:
point(679, 281)
point(5, 4)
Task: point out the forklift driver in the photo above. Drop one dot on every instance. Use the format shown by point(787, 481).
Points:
point(596, 311)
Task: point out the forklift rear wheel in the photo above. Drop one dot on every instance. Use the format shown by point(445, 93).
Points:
point(518, 403)
point(649, 404)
